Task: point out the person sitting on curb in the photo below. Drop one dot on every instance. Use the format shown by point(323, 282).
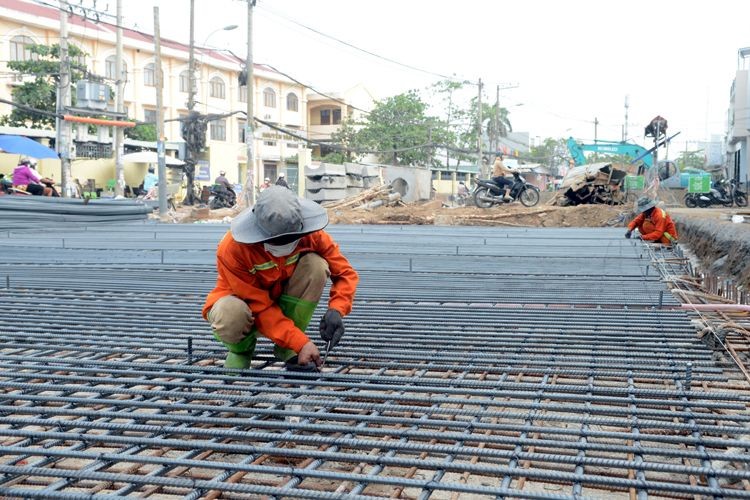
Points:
point(653, 223)
point(273, 265)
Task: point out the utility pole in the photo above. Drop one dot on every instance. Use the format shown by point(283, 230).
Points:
point(191, 59)
point(63, 140)
point(496, 127)
point(249, 191)
point(596, 129)
point(447, 151)
point(480, 165)
point(160, 119)
point(625, 126)
point(190, 124)
point(119, 107)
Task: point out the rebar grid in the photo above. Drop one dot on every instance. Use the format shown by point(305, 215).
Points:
point(454, 379)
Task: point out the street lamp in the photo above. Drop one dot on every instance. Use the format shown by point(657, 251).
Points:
point(229, 27)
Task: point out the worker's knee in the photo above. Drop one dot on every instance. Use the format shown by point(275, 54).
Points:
point(231, 319)
point(309, 278)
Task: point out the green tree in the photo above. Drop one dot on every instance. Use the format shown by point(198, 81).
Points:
point(551, 152)
point(694, 159)
point(346, 137)
point(400, 131)
point(495, 124)
point(444, 91)
point(142, 132)
point(41, 92)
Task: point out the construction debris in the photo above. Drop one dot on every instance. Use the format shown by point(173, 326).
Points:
point(373, 197)
point(597, 183)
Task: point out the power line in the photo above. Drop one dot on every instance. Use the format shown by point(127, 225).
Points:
point(365, 51)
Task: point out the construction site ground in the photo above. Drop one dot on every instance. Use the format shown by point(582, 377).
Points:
point(478, 362)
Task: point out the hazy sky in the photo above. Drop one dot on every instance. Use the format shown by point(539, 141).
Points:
point(569, 61)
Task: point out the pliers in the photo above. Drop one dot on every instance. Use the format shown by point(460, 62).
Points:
point(325, 356)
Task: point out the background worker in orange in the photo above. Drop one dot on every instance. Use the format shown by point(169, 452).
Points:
point(653, 223)
point(273, 265)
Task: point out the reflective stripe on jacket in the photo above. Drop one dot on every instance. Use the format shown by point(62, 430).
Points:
point(657, 227)
point(257, 277)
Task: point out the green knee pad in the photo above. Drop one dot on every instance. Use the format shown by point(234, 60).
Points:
point(300, 312)
point(240, 353)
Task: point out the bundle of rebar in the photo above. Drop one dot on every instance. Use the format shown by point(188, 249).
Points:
point(18, 212)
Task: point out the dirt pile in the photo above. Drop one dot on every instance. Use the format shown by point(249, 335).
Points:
point(514, 215)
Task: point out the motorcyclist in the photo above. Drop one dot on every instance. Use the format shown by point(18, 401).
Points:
point(25, 177)
point(281, 181)
point(499, 172)
point(222, 180)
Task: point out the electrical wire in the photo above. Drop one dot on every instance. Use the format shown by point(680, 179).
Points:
point(352, 46)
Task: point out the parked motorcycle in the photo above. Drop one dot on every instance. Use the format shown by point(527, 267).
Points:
point(739, 197)
point(487, 194)
point(725, 193)
point(221, 197)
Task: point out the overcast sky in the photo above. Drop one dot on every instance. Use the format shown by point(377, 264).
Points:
point(569, 61)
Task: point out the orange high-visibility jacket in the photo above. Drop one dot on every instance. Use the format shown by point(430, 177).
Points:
point(257, 277)
point(657, 227)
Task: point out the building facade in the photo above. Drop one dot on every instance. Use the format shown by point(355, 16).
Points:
point(327, 112)
point(277, 99)
point(738, 120)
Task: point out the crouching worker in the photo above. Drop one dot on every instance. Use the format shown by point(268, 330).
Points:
point(272, 267)
point(653, 223)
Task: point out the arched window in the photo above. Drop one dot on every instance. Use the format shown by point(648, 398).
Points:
point(269, 98)
point(292, 102)
point(110, 69)
point(19, 49)
point(149, 75)
point(218, 89)
point(185, 81)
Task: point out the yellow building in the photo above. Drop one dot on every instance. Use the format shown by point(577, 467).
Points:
point(277, 99)
point(326, 112)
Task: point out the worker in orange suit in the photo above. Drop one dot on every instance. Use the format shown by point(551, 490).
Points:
point(272, 267)
point(653, 223)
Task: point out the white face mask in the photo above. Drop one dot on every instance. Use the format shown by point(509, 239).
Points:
point(281, 250)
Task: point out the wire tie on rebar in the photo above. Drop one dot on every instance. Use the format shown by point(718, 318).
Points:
point(688, 375)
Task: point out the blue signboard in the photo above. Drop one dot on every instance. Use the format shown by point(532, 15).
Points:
point(202, 171)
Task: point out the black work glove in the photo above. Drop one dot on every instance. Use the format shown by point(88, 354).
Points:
point(332, 327)
point(628, 234)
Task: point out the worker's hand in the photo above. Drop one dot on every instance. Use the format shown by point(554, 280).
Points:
point(332, 327)
point(309, 354)
point(629, 234)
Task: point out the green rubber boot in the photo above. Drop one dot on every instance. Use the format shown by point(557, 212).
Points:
point(300, 312)
point(241, 353)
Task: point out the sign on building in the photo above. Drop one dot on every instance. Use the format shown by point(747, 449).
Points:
point(202, 170)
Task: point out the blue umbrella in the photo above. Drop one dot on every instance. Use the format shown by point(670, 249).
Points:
point(24, 146)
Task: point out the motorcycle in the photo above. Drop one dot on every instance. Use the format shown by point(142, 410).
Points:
point(221, 197)
point(739, 197)
point(724, 193)
point(487, 194)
